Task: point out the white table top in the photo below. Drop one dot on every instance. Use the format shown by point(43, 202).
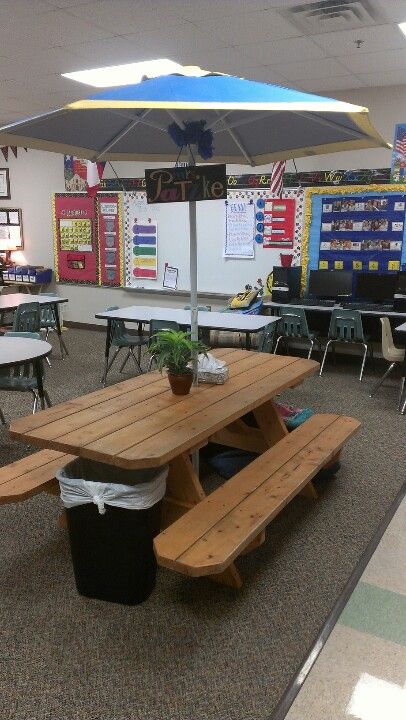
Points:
point(401, 328)
point(323, 308)
point(213, 320)
point(15, 350)
point(13, 300)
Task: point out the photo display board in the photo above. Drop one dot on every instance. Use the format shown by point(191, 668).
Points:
point(110, 239)
point(363, 233)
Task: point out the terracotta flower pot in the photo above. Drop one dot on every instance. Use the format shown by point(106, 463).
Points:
point(180, 384)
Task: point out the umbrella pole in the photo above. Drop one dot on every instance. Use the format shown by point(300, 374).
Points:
point(193, 276)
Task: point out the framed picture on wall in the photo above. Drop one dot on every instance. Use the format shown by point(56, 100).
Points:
point(4, 184)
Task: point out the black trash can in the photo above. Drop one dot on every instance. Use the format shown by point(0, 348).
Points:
point(113, 516)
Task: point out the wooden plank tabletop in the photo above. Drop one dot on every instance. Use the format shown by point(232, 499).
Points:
point(140, 423)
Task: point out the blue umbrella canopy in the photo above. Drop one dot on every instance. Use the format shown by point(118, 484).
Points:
point(250, 122)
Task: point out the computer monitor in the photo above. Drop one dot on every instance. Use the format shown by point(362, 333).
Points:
point(330, 283)
point(376, 286)
point(401, 283)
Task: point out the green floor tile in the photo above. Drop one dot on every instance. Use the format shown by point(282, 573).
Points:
point(378, 612)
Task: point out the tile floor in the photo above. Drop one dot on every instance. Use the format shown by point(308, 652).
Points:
point(361, 671)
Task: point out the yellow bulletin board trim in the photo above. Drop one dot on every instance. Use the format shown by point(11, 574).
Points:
point(335, 190)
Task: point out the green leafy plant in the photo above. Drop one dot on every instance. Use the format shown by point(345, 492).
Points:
point(173, 350)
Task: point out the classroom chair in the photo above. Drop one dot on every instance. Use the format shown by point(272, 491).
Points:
point(27, 318)
point(346, 327)
point(392, 354)
point(266, 338)
point(295, 327)
point(156, 326)
point(22, 377)
point(120, 339)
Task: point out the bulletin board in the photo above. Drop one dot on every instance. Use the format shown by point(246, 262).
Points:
point(359, 228)
point(75, 238)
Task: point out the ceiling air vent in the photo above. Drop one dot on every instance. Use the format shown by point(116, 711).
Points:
point(324, 16)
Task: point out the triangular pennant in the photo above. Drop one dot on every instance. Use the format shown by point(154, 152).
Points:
point(4, 150)
point(14, 149)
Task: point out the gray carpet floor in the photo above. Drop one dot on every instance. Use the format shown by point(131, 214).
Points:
point(194, 650)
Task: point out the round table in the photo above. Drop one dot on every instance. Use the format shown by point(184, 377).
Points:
point(16, 351)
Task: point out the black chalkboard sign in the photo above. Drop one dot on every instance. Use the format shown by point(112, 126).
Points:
point(185, 184)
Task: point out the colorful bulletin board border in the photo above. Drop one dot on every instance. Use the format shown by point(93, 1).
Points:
point(310, 251)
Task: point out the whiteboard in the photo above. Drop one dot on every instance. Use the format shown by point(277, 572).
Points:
point(216, 274)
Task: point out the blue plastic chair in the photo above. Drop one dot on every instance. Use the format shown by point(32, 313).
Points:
point(27, 318)
point(120, 339)
point(346, 327)
point(22, 377)
point(156, 326)
point(295, 327)
point(48, 320)
point(266, 338)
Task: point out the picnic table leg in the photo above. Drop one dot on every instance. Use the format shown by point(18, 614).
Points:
point(183, 491)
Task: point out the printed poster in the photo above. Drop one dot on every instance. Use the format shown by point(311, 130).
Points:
point(279, 223)
point(240, 227)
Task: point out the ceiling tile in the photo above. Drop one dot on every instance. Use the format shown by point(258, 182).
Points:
point(314, 69)
point(111, 51)
point(375, 62)
point(261, 73)
point(394, 10)
point(250, 27)
point(377, 79)
point(53, 28)
point(289, 50)
point(379, 37)
point(225, 60)
point(326, 85)
point(173, 42)
point(123, 17)
point(21, 8)
point(194, 10)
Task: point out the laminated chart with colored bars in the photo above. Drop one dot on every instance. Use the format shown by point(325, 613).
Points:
point(145, 244)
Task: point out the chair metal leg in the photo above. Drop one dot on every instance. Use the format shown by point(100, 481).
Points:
point(47, 334)
point(402, 387)
point(363, 361)
point(277, 344)
point(124, 363)
point(309, 354)
point(151, 360)
point(403, 407)
point(382, 379)
point(135, 359)
point(328, 343)
point(3, 421)
point(104, 378)
point(48, 362)
point(35, 402)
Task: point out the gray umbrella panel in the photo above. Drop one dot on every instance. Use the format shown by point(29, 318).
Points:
point(240, 136)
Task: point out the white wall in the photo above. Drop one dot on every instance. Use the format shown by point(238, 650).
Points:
point(34, 176)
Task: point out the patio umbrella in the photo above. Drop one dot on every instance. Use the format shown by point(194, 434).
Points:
point(240, 121)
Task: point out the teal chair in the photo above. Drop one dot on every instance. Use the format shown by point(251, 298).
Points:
point(156, 326)
point(346, 327)
point(266, 338)
point(22, 378)
point(204, 333)
point(120, 339)
point(27, 318)
point(295, 327)
point(47, 315)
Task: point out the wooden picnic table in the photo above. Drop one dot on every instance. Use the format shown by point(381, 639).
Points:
point(139, 423)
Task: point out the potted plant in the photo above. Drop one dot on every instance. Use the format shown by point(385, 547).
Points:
point(173, 350)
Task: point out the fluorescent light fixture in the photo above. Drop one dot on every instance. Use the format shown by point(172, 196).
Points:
point(402, 27)
point(132, 73)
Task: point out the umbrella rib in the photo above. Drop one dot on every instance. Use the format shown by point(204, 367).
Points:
point(331, 123)
point(238, 142)
point(32, 120)
point(120, 135)
point(242, 121)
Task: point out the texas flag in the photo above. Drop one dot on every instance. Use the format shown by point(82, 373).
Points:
point(94, 173)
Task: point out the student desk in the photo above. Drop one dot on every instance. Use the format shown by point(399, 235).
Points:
point(20, 351)
point(234, 322)
point(139, 423)
point(12, 301)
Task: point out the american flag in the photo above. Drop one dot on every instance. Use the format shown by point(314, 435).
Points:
point(400, 144)
point(278, 169)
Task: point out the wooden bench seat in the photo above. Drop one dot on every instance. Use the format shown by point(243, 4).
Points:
point(208, 537)
point(31, 475)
